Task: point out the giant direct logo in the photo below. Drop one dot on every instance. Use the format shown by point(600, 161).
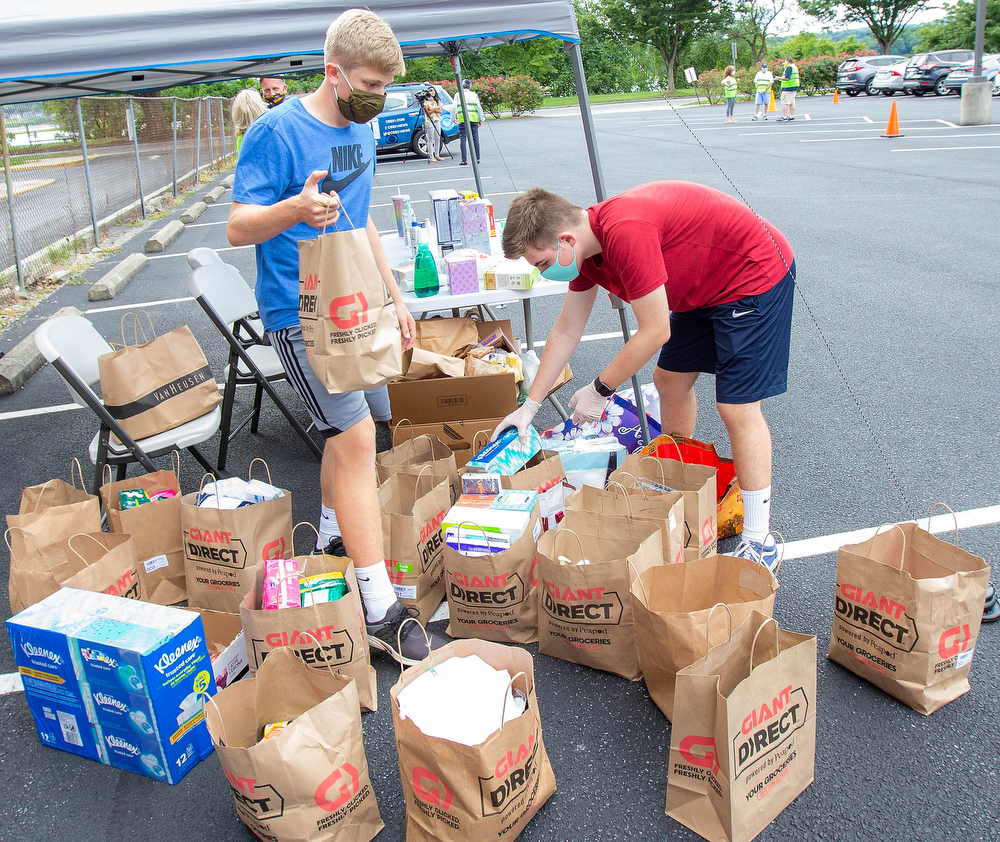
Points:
point(770, 724)
point(595, 606)
point(954, 641)
point(502, 590)
point(428, 787)
point(879, 613)
point(262, 801)
point(324, 646)
point(349, 311)
point(347, 782)
point(215, 547)
point(700, 751)
point(511, 776)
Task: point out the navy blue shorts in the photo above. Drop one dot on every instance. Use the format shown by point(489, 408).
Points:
point(743, 343)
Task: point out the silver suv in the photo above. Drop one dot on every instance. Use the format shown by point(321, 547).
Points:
point(928, 72)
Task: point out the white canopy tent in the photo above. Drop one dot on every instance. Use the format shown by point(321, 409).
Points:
point(56, 49)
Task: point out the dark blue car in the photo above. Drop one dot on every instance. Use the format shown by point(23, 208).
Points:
point(400, 126)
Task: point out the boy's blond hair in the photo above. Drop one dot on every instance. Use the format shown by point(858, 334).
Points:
point(247, 107)
point(535, 220)
point(361, 38)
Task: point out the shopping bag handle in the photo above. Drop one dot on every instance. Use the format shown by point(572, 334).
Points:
point(673, 441)
point(638, 578)
point(266, 468)
point(218, 714)
point(175, 465)
point(38, 499)
point(458, 538)
point(328, 665)
point(409, 447)
point(314, 529)
point(902, 555)
point(69, 543)
point(555, 542)
point(475, 439)
point(503, 710)
point(624, 494)
point(931, 512)
point(75, 463)
point(420, 473)
point(708, 623)
point(400, 424)
point(399, 639)
point(326, 218)
point(137, 327)
point(658, 464)
point(753, 646)
point(6, 538)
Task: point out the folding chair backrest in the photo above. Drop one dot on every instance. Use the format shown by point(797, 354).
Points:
point(76, 342)
point(203, 256)
point(223, 287)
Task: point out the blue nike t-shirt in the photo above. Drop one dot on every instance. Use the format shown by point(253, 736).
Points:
point(280, 150)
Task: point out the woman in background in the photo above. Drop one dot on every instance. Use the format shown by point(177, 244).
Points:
point(247, 106)
point(432, 125)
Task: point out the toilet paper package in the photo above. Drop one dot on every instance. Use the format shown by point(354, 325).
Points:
point(116, 680)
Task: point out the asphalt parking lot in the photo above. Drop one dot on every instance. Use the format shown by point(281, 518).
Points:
point(891, 408)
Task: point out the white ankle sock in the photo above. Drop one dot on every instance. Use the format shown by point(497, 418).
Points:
point(328, 527)
point(756, 514)
point(377, 592)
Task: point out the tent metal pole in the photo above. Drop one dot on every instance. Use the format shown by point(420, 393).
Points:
point(86, 173)
point(595, 167)
point(457, 64)
point(173, 125)
point(8, 179)
point(211, 143)
point(197, 149)
point(222, 129)
point(138, 163)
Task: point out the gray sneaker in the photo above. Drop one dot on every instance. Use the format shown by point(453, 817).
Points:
point(406, 648)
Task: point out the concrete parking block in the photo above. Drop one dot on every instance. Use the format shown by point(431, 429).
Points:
point(24, 359)
point(118, 278)
point(164, 237)
point(227, 182)
point(213, 195)
point(193, 212)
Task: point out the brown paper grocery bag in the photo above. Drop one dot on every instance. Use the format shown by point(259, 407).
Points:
point(743, 740)
point(331, 634)
point(420, 364)
point(90, 561)
point(450, 337)
point(223, 546)
point(495, 596)
point(460, 793)
point(696, 482)
point(412, 454)
point(673, 605)
point(310, 782)
point(906, 616)
point(349, 323)
point(412, 508)
point(585, 611)
point(150, 387)
point(544, 474)
point(155, 528)
point(663, 510)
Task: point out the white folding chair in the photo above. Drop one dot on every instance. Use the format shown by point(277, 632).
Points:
point(252, 331)
point(229, 302)
point(72, 345)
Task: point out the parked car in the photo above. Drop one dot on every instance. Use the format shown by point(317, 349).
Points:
point(889, 80)
point(928, 72)
point(400, 126)
point(958, 76)
point(857, 74)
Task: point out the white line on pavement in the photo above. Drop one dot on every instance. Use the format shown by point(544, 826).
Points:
point(184, 253)
point(419, 183)
point(942, 148)
point(206, 224)
point(10, 683)
point(868, 119)
point(42, 410)
point(139, 306)
point(908, 137)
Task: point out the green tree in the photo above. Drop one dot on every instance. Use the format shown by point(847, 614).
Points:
point(804, 44)
point(666, 26)
point(885, 18)
point(958, 28)
point(753, 20)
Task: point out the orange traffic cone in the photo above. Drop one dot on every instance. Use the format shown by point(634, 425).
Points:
point(836, 97)
point(771, 107)
point(892, 129)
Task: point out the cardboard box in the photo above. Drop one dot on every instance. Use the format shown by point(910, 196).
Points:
point(456, 398)
point(226, 647)
point(460, 436)
point(116, 680)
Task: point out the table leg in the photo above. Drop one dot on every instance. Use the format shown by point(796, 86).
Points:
point(529, 333)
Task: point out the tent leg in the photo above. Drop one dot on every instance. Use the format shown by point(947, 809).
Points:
point(619, 305)
point(456, 62)
point(588, 119)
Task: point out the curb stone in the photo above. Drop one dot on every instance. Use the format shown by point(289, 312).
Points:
point(213, 195)
point(118, 278)
point(193, 212)
point(24, 359)
point(164, 237)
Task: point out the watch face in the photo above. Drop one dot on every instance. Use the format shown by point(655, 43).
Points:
point(602, 390)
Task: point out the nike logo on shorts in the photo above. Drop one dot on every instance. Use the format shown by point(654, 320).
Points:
point(742, 313)
point(339, 184)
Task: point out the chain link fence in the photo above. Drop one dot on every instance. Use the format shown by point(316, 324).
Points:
point(62, 188)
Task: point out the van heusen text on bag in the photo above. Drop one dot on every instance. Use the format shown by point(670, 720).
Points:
point(349, 324)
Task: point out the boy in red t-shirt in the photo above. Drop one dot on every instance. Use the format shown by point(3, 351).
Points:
point(710, 284)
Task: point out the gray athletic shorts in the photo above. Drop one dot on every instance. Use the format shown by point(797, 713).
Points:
point(332, 414)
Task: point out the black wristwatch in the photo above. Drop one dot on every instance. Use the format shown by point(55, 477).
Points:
point(602, 390)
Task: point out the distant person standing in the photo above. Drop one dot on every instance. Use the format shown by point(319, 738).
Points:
point(432, 124)
point(789, 87)
point(729, 88)
point(475, 118)
point(762, 83)
point(247, 106)
point(273, 89)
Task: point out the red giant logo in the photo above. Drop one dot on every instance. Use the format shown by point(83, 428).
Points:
point(349, 784)
point(344, 313)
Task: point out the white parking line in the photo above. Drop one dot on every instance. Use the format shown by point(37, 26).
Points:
point(942, 148)
point(141, 306)
point(908, 137)
point(10, 683)
point(184, 253)
point(470, 177)
point(42, 410)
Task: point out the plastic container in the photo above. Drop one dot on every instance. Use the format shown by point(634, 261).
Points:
point(425, 273)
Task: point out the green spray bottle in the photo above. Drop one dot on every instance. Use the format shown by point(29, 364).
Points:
point(425, 273)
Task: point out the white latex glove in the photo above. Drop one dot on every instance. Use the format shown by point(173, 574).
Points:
point(587, 404)
point(520, 418)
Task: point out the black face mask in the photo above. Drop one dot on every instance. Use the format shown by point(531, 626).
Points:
point(360, 106)
point(274, 99)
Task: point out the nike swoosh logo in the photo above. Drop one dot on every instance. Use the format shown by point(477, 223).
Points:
point(737, 315)
point(339, 184)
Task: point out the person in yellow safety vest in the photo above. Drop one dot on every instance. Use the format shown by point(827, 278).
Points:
point(762, 83)
point(789, 87)
point(475, 118)
point(729, 88)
